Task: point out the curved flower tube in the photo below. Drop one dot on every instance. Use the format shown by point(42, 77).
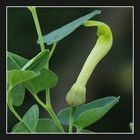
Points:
point(77, 94)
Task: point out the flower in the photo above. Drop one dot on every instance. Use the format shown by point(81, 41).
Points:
point(77, 94)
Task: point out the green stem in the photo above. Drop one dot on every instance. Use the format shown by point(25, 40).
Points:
point(36, 21)
point(52, 50)
point(48, 100)
point(78, 129)
point(54, 117)
point(37, 25)
point(46, 106)
point(51, 112)
point(70, 119)
point(13, 111)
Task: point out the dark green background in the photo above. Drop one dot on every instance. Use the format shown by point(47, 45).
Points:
point(111, 77)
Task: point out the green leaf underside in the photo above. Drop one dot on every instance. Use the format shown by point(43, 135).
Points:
point(20, 127)
point(37, 63)
point(46, 79)
point(15, 61)
point(46, 125)
point(18, 94)
point(16, 77)
point(43, 125)
point(31, 117)
point(62, 32)
point(29, 121)
point(11, 64)
point(89, 113)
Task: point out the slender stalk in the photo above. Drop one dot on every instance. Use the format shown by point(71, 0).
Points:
point(52, 50)
point(48, 100)
point(37, 25)
point(70, 119)
point(48, 105)
point(36, 21)
point(54, 117)
point(40, 102)
point(78, 129)
point(51, 112)
point(14, 112)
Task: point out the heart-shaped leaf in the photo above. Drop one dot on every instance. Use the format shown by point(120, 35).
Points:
point(18, 94)
point(16, 77)
point(15, 61)
point(89, 113)
point(37, 63)
point(46, 79)
point(62, 32)
point(31, 117)
point(44, 125)
point(29, 121)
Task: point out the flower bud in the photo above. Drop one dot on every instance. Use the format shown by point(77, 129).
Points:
point(76, 95)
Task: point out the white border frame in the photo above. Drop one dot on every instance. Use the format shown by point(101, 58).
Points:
point(132, 64)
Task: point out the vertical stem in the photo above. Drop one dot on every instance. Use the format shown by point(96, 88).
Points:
point(54, 117)
point(78, 129)
point(37, 25)
point(48, 101)
point(36, 21)
point(48, 98)
point(46, 106)
point(51, 112)
point(70, 119)
point(52, 50)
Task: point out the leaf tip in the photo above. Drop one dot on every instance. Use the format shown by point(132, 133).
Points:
point(35, 106)
point(118, 97)
point(98, 11)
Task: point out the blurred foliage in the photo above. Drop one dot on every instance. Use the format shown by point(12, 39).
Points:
point(111, 77)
